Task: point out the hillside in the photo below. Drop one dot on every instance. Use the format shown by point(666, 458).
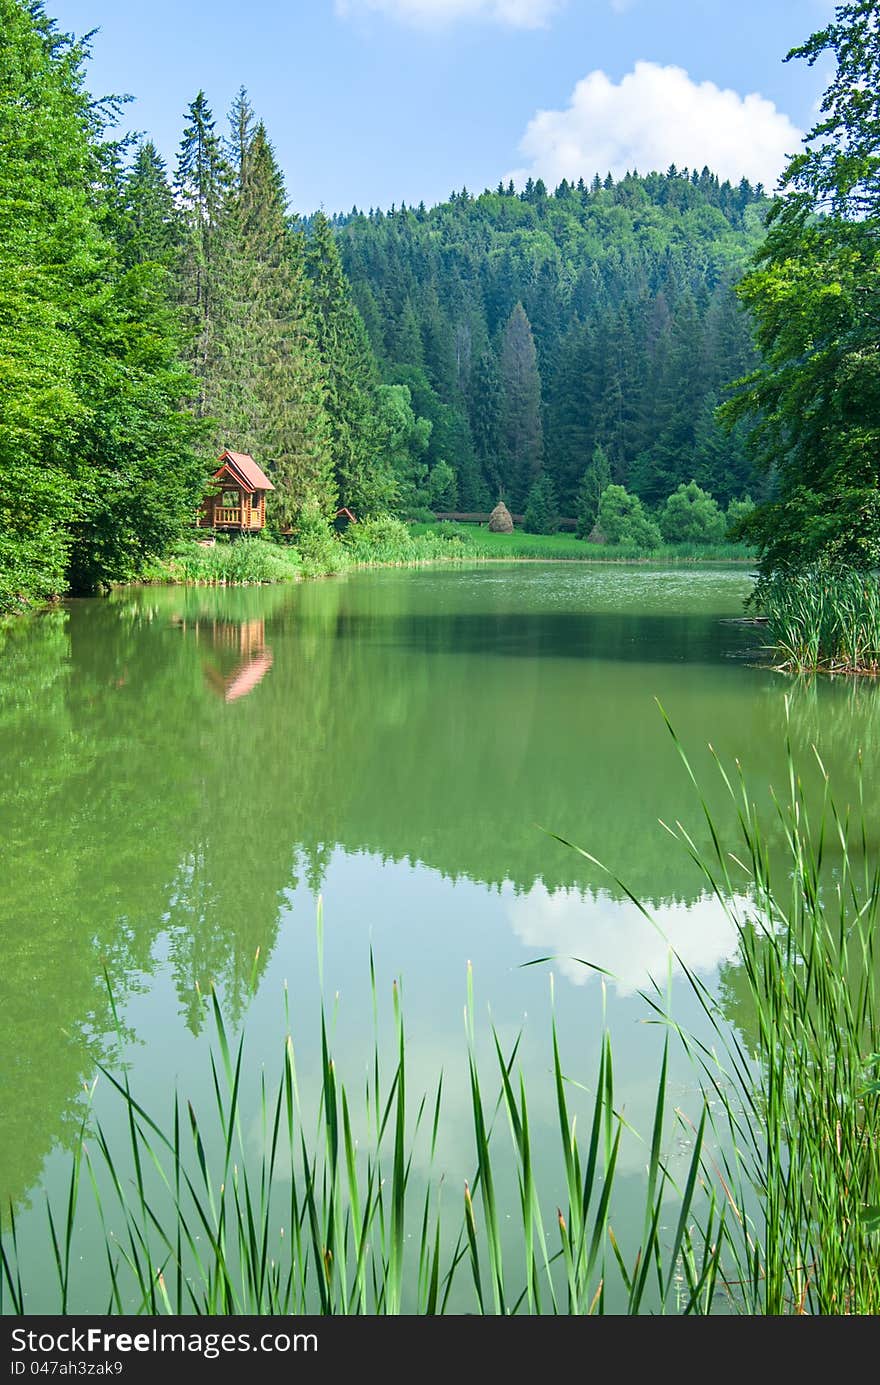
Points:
point(628, 334)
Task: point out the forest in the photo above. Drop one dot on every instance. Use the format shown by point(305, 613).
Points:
point(648, 357)
point(534, 327)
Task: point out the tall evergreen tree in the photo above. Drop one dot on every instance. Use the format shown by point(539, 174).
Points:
point(596, 479)
point(522, 438)
point(97, 461)
point(150, 228)
point(201, 185)
point(267, 378)
point(364, 477)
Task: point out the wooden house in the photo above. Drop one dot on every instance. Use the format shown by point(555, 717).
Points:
point(238, 501)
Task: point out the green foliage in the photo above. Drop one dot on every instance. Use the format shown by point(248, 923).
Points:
point(622, 520)
point(813, 406)
point(822, 617)
point(98, 463)
point(442, 487)
point(242, 563)
point(403, 438)
point(594, 481)
point(386, 539)
point(542, 512)
point(691, 515)
point(627, 291)
point(737, 516)
point(316, 542)
point(840, 166)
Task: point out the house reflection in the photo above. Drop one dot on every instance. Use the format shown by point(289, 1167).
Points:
point(235, 654)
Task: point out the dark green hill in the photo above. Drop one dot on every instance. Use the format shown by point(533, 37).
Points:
point(627, 291)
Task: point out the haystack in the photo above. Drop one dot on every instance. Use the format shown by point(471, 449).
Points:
point(500, 520)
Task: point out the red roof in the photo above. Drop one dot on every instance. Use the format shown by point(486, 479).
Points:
point(248, 473)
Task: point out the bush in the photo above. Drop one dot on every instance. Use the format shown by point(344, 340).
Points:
point(691, 515)
point(738, 512)
point(622, 519)
point(316, 541)
point(245, 561)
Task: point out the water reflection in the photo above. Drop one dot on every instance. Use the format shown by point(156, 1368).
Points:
point(175, 764)
point(240, 657)
point(598, 934)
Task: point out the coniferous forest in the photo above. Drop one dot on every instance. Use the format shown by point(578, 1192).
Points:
point(589, 352)
point(405, 361)
point(531, 328)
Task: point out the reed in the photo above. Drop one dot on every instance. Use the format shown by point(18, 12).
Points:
point(777, 1210)
point(822, 618)
point(800, 1103)
point(247, 561)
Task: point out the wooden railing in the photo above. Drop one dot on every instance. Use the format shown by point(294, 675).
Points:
point(226, 516)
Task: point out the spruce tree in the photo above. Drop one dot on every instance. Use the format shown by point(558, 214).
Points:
point(201, 186)
point(269, 382)
point(364, 477)
point(522, 438)
point(150, 228)
point(596, 479)
point(542, 513)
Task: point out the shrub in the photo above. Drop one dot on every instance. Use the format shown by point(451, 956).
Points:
point(691, 515)
point(316, 541)
point(622, 519)
point(738, 512)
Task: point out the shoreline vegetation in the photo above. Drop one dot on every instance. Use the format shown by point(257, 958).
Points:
point(388, 542)
point(770, 1206)
point(822, 619)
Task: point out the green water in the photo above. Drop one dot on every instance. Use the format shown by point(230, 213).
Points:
point(185, 771)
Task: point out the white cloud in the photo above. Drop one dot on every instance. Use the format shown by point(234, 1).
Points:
point(656, 116)
point(615, 935)
point(518, 14)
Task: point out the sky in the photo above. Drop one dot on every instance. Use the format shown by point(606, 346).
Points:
point(371, 103)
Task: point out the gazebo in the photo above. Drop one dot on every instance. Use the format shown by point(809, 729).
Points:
point(238, 502)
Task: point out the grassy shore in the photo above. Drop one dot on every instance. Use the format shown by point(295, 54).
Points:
point(775, 1209)
point(480, 542)
point(388, 542)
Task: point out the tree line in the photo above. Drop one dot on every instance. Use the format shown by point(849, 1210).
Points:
point(532, 327)
point(685, 332)
point(151, 317)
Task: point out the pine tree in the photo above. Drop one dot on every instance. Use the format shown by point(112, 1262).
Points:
point(201, 185)
point(364, 477)
point(269, 381)
point(596, 479)
point(522, 438)
point(150, 229)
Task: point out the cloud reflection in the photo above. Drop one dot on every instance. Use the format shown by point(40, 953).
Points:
point(614, 935)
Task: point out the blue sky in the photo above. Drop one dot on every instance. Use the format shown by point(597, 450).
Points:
point(370, 102)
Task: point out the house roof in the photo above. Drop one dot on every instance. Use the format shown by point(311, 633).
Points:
point(250, 475)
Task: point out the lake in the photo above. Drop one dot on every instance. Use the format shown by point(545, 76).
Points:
point(186, 771)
